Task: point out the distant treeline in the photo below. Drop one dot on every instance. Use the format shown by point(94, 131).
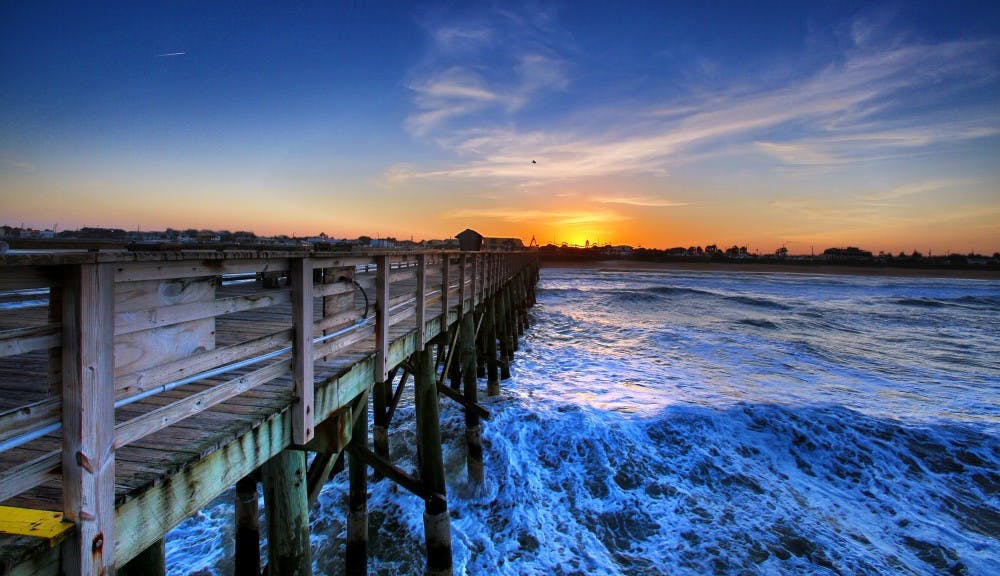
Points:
point(738, 255)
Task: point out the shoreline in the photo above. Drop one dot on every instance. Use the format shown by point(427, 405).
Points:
point(810, 269)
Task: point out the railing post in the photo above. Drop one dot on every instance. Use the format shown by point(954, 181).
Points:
point(88, 418)
point(381, 318)
point(475, 282)
point(301, 276)
point(444, 291)
point(421, 300)
point(462, 293)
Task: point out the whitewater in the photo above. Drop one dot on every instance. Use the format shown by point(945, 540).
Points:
point(708, 422)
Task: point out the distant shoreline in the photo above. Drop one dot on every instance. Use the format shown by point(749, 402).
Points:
point(824, 269)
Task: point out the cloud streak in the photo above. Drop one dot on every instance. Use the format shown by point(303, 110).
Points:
point(852, 111)
point(550, 217)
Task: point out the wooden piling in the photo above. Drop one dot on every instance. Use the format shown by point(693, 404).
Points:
point(437, 524)
point(473, 432)
point(247, 523)
point(287, 511)
point(490, 348)
point(500, 329)
point(455, 368)
point(357, 513)
point(150, 562)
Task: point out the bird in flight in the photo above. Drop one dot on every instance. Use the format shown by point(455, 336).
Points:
point(533, 162)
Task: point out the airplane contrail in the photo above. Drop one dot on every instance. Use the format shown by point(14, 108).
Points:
point(171, 54)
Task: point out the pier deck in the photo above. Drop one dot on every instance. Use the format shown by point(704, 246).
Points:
point(179, 374)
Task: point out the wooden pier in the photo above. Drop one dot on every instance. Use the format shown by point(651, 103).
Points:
point(136, 387)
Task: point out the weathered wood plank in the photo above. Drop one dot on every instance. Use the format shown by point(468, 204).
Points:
point(25, 340)
point(149, 378)
point(148, 294)
point(19, 420)
point(191, 405)
point(126, 322)
point(137, 271)
point(141, 350)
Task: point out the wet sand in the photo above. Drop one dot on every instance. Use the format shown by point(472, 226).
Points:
point(640, 266)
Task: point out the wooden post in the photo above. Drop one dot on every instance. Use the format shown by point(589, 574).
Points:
point(473, 431)
point(88, 418)
point(455, 368)
point(301, 276)
point(381, 318)
point(490, 348)
point(421, 307)
point(357, 512)
point(444, 291)
point(475, 283)
point(150, 562)
point(437, 524)
point(247, 523)
point(462, 292)
point(286, 507)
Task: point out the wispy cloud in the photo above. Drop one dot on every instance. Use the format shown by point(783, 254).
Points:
point(169, 54)
point(644, 201)
point(19, 164)
point(874, 102)
point(922, 187)
point(551, 217)
point(495, 65)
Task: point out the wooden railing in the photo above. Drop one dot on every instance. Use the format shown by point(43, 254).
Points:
point(98, 332)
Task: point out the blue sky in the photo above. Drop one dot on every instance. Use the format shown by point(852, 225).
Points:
point(654, 123)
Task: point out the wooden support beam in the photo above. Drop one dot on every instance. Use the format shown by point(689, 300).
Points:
point(357, 513)
point(286, 507)
point(88, 455)
point(473, 432)
point(437, 524)
point(455, 358)
point(246, 556)
point(458, 397)
point(150, 562)
point(301, 275)
point(397, 395)
point(396, 474)
point(323, 467)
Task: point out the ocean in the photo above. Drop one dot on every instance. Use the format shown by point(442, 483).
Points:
point(708, 422)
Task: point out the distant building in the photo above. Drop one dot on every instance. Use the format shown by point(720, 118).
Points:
point(470, 240)
point(849, 253)
point(503, 244)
